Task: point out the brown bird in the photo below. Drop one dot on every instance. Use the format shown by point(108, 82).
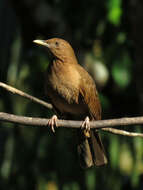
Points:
point(73, 94)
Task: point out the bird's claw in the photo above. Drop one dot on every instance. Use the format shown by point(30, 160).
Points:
point(53, 122)
point(86, 124)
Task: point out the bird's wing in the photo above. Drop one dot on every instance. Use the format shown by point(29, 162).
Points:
point(90, 96)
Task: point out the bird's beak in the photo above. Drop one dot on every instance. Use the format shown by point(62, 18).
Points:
point(41, 42)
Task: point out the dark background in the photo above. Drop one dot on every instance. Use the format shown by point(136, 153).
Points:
point(108, 40)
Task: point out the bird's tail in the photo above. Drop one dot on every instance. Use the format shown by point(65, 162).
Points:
point(90, 149)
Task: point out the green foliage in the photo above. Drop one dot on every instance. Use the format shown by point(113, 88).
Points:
point(114, 150)
point(121, 71)
point(114, 11)
point(90, 179)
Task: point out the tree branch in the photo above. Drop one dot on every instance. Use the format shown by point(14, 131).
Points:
point(77, 124)
point(102, 124)
point(25, 95)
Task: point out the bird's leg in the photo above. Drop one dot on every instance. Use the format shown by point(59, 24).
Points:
point(53, 122)
point(86, 125)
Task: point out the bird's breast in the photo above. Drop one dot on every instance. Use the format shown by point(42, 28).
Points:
point(63, 90)
point(67, 103)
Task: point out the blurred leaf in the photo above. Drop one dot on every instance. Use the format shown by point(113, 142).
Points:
point(15, 52)
point(43, 62)
point(90, 179)
point(121, 37)
point(114, 151)
point(44, 185)
point(121, 75)
point(75, 186)
point(100, 28)
point(138, 145)
point(23, 74)
point(126, 159)
point(121, 71)
point(138, 162)
point(135, 178)
point(100, 73)
point(104, 101)
point(137, 172)
point(114, 11)
point(94, 64)
point(51, 185)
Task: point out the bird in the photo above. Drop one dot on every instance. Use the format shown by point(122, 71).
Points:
point(72, 92)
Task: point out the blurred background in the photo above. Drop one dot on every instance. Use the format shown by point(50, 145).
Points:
point(107, 38)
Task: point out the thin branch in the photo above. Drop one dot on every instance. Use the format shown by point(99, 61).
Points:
point(25, 95)
point(77, 124)
point(122, 132)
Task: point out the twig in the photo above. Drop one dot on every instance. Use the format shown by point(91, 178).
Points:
point(19, 92)
point(77, 124)
point(122, 132)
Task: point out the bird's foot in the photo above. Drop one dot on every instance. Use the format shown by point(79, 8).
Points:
point(53, 122)
point(86, 126)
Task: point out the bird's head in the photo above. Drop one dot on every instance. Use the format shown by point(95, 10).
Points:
point(60, 48)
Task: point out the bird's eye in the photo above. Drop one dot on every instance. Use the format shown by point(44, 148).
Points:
point(57, 43)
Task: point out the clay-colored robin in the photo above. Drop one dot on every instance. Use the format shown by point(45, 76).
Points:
point(73, 93)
